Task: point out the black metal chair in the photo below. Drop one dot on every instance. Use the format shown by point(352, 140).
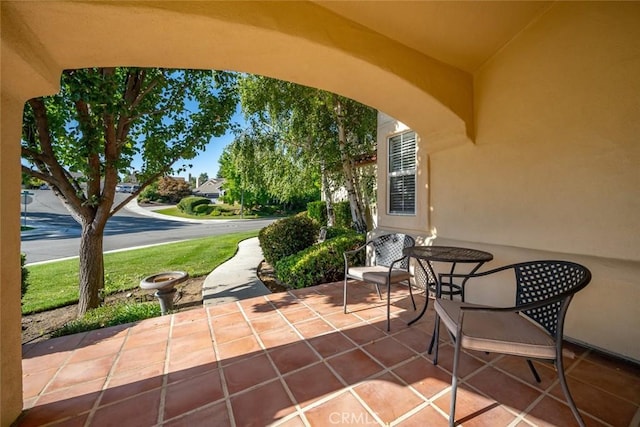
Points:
point(385, 266)
point(532, 328)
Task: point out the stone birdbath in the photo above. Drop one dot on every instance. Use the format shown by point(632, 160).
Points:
point(164, 285)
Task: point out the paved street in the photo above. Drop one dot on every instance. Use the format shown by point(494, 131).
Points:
point(56, 234)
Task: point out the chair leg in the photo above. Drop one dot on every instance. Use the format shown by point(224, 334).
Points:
point(413, 301)
point(378, 291)
point(454, 383)
point(345, 296)
point(533, 371)
point(388, 306)
point(565, 389)
point(435, 339)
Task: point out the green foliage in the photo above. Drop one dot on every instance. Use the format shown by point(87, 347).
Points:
point(24, 274)
point(287, 236)
point(188, 204)
point(318, 211)
point(150, 194)
point(342, 212)
point(110, 315)
point(203, 209)
point(339, 231)
point(320, 263)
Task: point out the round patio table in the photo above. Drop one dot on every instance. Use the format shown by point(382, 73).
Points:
point(426, 255)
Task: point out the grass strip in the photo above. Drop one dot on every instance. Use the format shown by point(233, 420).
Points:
point(55, 284)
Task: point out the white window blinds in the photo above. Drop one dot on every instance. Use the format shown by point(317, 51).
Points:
point(402, 173)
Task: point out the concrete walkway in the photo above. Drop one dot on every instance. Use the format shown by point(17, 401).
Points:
point(237, 278)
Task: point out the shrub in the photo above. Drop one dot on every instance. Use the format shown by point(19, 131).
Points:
point(320, 263)
point(189, 204)
point(287, 236)
point(150, 193)
point(339, 231)
point(24, 275)
point(342, 212)
point(203, 209)
point(318, 211)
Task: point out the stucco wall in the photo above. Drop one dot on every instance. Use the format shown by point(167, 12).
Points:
point(555, 170)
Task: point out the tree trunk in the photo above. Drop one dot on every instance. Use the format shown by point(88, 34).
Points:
point(328, 197)
point(356, 210)
point(91, 268)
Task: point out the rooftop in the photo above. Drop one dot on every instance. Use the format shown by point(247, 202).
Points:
point(295, 359)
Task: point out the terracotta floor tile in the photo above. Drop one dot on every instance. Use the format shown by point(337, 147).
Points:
point(187, 316)
point(313, 383)
point(268, 322)
point(614, 381)
point(97, 350)
point(151, 336)
point(58, 346)
point(314, 328)
point(128, 412)
point(363, 334)
point(104, 334)
point(248, 373)
point(228, 319)
point(134, 382)
point(344, 409)
point(278, 337)
point(551, 413)
point(261, 406)
point(388, 351)
point(188, 359)
point(34, 383)
point(221, 310)
point(45, 362)
point(296, 421)
point(230, 352)
point(230, 332)
point(414, 338)
point(196, 341)
point(340, 320)
point(212, 415)
point(141, 356)
point(76, 373)
point(293, 356)
point(187, 328)
point(331, 344)
point(62, 404)
point(425, 417)
point(425, 377)
point(517, 366)
point(190, 394)
point(504, 389)
point(300, 315)
point(473, 409)
point(593, 400)
point(354, 366)
point(387, 397)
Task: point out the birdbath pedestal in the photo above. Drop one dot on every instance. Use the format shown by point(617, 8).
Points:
point(164, 285)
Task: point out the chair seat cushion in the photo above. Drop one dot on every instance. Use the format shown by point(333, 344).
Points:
point(497, 332)
point(377, 274)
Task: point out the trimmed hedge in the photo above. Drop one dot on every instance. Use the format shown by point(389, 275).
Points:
point(320, 263)
point(342, 212)
point(287, 236)
point(188, 204)
point(318, 211)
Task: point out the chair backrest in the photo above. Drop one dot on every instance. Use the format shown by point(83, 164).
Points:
point(539, 281)
point(388, 248)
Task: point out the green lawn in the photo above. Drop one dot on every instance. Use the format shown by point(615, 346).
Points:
point(55, 284)
point(174, 211)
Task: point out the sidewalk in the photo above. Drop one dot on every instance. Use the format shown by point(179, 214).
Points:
point(237, 278)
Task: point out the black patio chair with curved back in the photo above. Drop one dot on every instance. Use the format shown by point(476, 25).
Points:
point(385, 265)
point(532, 328)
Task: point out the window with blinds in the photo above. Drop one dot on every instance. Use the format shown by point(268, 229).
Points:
point(402, 174)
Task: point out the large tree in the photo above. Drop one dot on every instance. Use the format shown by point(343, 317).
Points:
point(319, 132)
point(81, 139)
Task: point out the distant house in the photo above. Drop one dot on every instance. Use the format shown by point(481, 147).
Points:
point(211, 189)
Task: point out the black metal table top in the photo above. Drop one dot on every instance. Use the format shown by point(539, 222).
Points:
point(448, 254)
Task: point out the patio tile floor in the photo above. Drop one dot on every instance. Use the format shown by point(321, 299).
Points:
point(295, 359)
